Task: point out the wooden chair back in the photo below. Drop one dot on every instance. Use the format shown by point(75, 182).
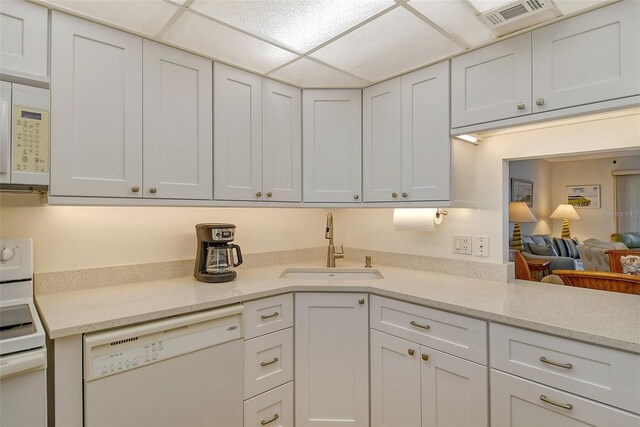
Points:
point(601, 280)
point(522, 269)
point(616, 254)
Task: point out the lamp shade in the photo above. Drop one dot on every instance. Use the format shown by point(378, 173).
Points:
point(565, 211)
point(520, 212)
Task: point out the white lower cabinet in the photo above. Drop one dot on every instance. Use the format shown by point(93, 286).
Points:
point(517, 402)
point(273, 408)
point(413, 385)
point(331, 359)
point(268, 362)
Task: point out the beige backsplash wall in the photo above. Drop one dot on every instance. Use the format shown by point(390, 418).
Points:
point(77, 237)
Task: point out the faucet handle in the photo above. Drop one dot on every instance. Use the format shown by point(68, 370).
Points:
point(341, 253)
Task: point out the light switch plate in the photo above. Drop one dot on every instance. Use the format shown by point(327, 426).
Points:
point(462, 244)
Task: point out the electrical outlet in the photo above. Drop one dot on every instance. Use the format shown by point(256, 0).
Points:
point(481, 245)
point(461, 244)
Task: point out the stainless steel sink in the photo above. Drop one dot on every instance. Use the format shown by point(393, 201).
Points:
point(331, 274)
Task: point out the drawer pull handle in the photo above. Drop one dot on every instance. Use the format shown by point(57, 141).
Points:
point(263, 364)
point(418, 325)
point(551, 362)
point(265, 422)
point(269, 316)
point(559, 405)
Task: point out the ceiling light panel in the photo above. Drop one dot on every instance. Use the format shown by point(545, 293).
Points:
point(226, 44)
point(391, 44)
point(298, 25)
point(485, 5)
point(143, 16)
point(308, 73)
point(456, 17)
point(571, 6)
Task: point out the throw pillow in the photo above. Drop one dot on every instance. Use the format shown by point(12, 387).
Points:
point(566, 247)
point(546, 250)
point(630, 264)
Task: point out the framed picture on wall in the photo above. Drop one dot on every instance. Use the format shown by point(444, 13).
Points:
point(522, 191)
point(584, 196)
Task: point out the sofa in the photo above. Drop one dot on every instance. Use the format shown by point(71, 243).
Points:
point(556, 262)
point(593, 253)
point(631, 239)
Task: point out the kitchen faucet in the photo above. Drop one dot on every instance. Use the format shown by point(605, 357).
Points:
point(331, 251)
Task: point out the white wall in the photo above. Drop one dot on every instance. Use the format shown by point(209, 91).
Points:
point(597, 223)
point(537, 171)
point(76, 237)
point(373, 229)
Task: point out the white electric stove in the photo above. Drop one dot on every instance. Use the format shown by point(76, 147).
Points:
point(23, 355)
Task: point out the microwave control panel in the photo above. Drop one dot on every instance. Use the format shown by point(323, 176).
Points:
point(30, 148)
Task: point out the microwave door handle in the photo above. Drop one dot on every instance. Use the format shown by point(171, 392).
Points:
point(23, 365)
point(5, 129)
point(238, 254)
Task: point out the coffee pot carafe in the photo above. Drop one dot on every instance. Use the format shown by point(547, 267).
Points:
point(215, 260)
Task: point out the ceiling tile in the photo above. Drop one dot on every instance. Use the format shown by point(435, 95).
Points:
point(485, 5)
point(143, 16)
point(309, 73)
point(455, 16)
point(571, 6)
point(391, 44)
point(226, 44)
point(298, 25)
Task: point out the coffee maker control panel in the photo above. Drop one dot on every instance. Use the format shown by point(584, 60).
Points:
point(223, 235)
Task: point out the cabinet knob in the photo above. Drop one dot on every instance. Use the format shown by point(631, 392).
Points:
point(259, 194)
point(540, 101)
point(355, 196)
point(153, 190)
point(411, 352)
point(425, 357)
point(269, 194)
point(520, 105)
point(361, 301)
point(394, 195)
point(135, 188)
point(405, 195)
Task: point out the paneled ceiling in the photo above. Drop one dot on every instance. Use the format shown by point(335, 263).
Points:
point(310, 43)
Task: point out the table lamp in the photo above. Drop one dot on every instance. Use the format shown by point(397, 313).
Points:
point(519, 212)
point(565, 212)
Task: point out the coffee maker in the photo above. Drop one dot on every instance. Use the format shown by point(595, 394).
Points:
point(214, 259)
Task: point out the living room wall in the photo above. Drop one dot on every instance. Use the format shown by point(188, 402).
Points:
point(537, 171)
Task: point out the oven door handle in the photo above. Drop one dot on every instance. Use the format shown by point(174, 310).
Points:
point(22, 365)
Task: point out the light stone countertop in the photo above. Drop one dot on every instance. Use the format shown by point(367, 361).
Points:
point(606, 318)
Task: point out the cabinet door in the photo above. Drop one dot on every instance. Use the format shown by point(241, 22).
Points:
point(589, 58)
point(454, 391)
point(492, 83)
point(426, 144)
point(24, 34)
point(96, 104)
point(381, 139)
point(332, 145)
point(281, 142)
point(331, 359)
point(178, 149)
point(517, 402)
point(395, 381)
point(237, 138)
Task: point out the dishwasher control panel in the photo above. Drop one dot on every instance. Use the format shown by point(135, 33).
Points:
point(134, 352)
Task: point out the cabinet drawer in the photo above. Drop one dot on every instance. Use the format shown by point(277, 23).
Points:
point(454, 334)
point(268, 362)
point(599, 373)
point(273, 408)
point(517, 402)
point(268, 315)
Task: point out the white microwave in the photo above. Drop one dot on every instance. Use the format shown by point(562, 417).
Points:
point(24, 134)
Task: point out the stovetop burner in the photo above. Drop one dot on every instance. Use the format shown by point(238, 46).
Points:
point(16, 321)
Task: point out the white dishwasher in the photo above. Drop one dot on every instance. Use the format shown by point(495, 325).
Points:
point(181, 371)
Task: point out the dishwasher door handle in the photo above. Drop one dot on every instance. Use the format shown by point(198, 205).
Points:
point(22, 365)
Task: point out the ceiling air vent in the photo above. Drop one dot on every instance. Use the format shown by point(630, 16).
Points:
point(518, 15)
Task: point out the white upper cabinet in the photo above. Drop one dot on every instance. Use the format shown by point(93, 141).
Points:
point(589, 58)
point(177, 123)
point(381, 141)
point(492, 83)
point(23, 34)
point(426, 144)
point(281, 142)
point(406, 143)
point(237, 136)
point(332, 145)
point(331, 359)
point(96, 105)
